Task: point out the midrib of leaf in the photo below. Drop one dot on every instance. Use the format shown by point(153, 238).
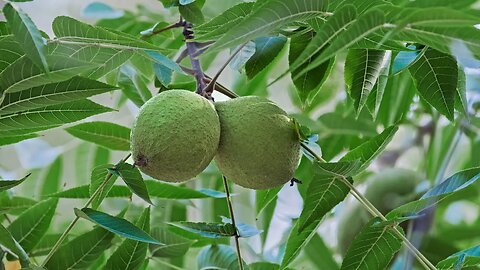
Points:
point(99, 135)
point(469, 42)
point(97, 243)
point(36, 224)
point(437, 82)
point(362, 260)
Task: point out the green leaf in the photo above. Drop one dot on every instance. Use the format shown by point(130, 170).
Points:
point(99, 10)
point(29, 228)
point(218, 257)
point(451, 185)
point(374, 247)
point(4, 29)
point(23, 74)
point(461, 93)
point(264, 197)
point(296, 241)
point(133, 85)
point(366, 24)
point(309, 83)
point(375, 99)
point(15, 204)
point(173, 245)
point(8, 184)
point(131, 254)
point(319, 254)
point(103, 59)
point(106, 134)
point(6, 140)
point(159, 189)
point(367, 151)
point(82, 251)
point(51, 180)
point(326, 190)
point(266, 50)
point(339, 124)
point(49, 117)
point(268, 17)
point(362, 70)
point(134, 180)
point(116, 225)
point(47, 243)
point(327, 32)
point(244, 230)
point(436, 75)
point(461, 259)
point(71, 31)
point(210, 230)
point(10, 51)
point(98, 176)
point(82, 192)
point(50, 94)
point(217, 26)
point(192, 13)
point(27, 35)
point(7, 241)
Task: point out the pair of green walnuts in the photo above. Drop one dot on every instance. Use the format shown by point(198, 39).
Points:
point(177, 134)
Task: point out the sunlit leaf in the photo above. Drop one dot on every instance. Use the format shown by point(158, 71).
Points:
point(106, 134)
point(27, 34)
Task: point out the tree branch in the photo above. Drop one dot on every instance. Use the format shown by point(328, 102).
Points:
point(75, 220)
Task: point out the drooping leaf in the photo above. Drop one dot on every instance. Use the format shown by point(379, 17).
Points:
point(8, 184)
point(134, 180)
point(131, 254)
point(106, 134)
point(133, 85)
point(241, 58)
point(97, 178)
point(174, 245)
point(374, 246)
point(116, 225)
point(218, 257)
point(266, 50)
point(375, 99)
point(362, 70)
point(82, 251)
point(49, 117)
point(192, 13)
point(7, 241)
point(29, 228)
point(264, 197)
point(309, 83)
point(296, 241)
point(27, 35)
point(210, 230)
point(50, 94)
point(367, 151)
point(405, 59)
point(51, 180)
point(272, 15)
point(366, 24)
point(325, 190)
point(461, 93)
point(436, 75)
point(451, 185)
point(47, 243)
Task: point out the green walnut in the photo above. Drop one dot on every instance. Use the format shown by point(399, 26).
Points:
point(175, 136)
point(259, 147)
point(386, 191)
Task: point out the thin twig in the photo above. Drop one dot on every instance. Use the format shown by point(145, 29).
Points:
point(374, 211)
point(211, 86)
point(178, 24)
point(232, 217)
point(74, 221)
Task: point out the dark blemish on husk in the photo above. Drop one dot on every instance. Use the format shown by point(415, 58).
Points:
point(141, 161)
